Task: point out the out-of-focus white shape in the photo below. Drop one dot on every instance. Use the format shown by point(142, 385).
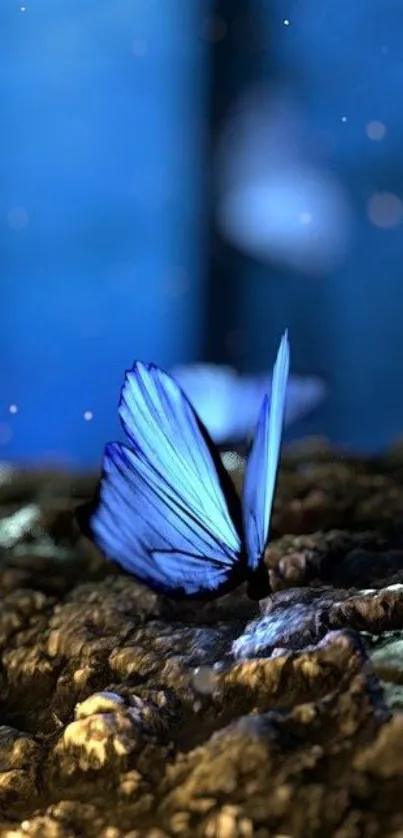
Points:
point(228, 404)
point(375, 130)
point(88, 415)
point(269, 185)
point(385, 210)
point(13, 408)
point(204, 680)
point(7, 472)
point(231, 460)
point(13, 528)
point(266, 219)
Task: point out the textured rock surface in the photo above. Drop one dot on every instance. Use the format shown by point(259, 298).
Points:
point(125, 715)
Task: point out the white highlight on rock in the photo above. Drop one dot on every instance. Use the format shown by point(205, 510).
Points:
point(102, 702)
point(204, 680)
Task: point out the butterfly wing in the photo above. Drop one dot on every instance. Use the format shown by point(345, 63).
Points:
point(167, 511)
point(262, 465)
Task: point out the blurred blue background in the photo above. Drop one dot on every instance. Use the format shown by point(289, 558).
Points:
point(180, 180)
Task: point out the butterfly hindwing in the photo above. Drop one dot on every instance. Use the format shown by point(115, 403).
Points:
point(262, 465)
point(167, 511)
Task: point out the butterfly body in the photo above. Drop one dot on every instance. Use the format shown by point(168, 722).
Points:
point(167, 511)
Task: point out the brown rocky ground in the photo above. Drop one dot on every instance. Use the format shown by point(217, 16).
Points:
point(125, 715)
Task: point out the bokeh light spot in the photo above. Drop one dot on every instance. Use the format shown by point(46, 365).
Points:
point(375, 130)
point(88, 415)
point(13, 408)
point(385, 210)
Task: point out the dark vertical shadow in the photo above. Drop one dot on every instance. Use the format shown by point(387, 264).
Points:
point(235, 49)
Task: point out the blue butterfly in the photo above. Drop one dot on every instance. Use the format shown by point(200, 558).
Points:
point(166, 509)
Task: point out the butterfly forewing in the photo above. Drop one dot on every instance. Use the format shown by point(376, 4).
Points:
point(262, 465)
point(164, 508)
point(161, 423)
